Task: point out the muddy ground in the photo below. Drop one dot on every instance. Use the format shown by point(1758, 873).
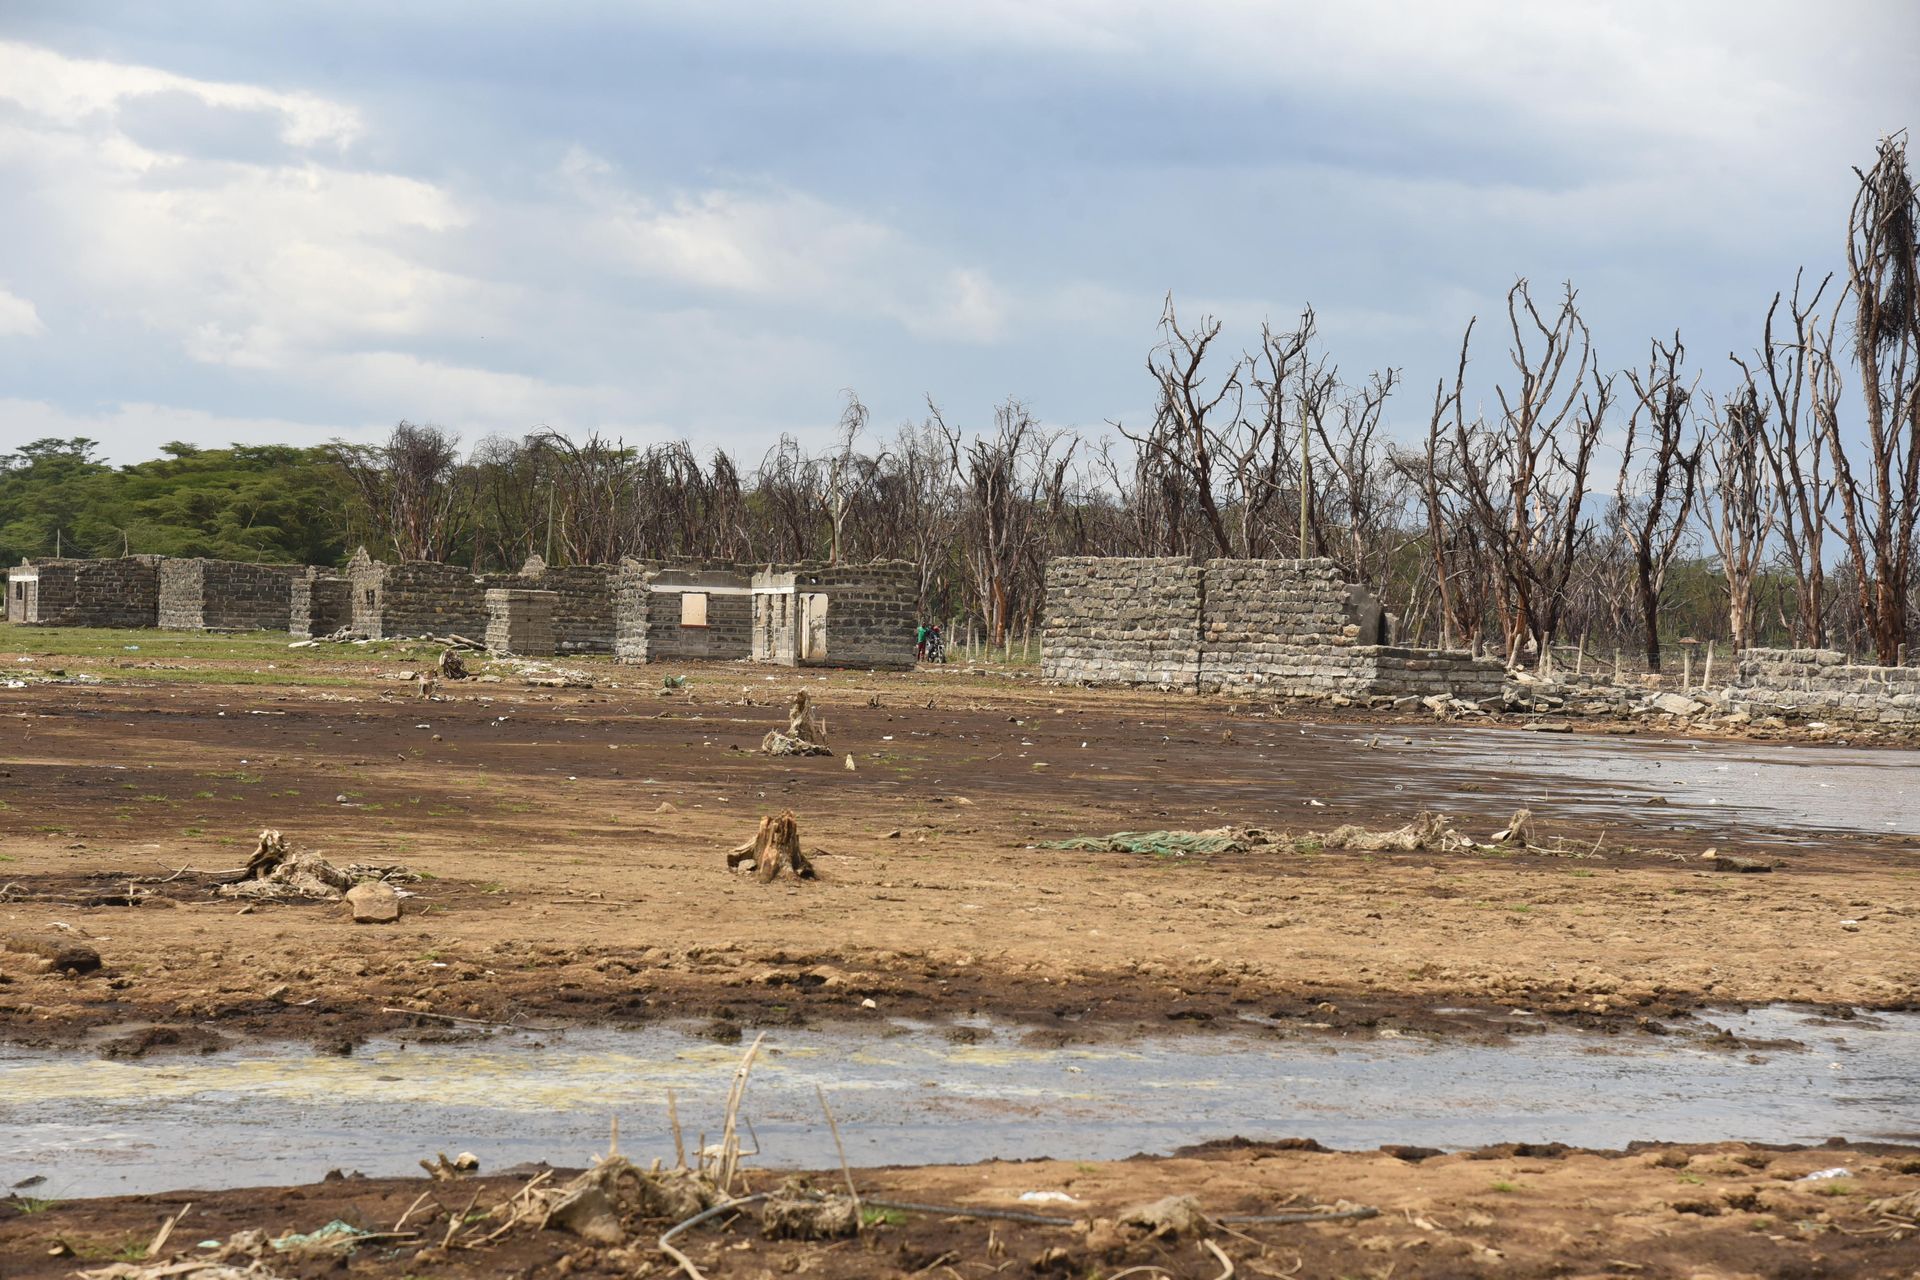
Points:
point(1725, 1210)
point(573, 847)
point(575, 841)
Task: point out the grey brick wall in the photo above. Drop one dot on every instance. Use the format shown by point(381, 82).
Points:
point(520, 621)
point(650, 605)
point(836, 615)
point(1123, 621)
point(1279, 628)
point(319, 604)
point(122, 592)
point(226, 595)
point(1823, 684)
point(414, 598)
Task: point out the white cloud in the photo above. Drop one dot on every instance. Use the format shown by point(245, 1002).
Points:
point(19, 318)
point(72, 92)
point(786, 247)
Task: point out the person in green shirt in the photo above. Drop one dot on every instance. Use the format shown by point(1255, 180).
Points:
point(920, 643)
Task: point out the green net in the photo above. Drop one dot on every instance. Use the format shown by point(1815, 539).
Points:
point(1169, 843)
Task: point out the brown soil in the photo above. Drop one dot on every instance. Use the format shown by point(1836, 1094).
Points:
point(1724, 1210)
point(576, 841)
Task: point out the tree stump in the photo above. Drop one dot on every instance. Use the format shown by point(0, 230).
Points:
point(775, 845)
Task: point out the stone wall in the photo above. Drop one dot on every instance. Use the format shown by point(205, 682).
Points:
point(681, 612)
point(1279, 628)
point(1822, 684)
point(226, 595)
point(415, 598)
point(122, 592)
point(837, 616)
point(583, 601)
point(319, 604)
point(520, 621)
point(1113, 620)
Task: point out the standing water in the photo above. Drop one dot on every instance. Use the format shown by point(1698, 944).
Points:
point(275, 1114)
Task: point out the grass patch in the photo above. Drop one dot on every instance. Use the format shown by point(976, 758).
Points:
point(1504, 1187)
point(882, 1218)
point(34, 1204)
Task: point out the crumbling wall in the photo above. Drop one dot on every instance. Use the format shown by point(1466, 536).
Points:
point(520, 621)
point(1823, 684)
point(319, 604)
point(1279, 628)
point(225, 595)
point(837, 615)
point(1114, 620)
point(415, 598)
point(121, 592)
point(583, 606)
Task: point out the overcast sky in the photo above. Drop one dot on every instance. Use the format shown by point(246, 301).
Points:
point(288, 222)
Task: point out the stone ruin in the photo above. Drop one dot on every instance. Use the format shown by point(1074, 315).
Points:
point(226, 595)
point(1823, 684)
point(836, 616)
point(583, 596)
point(120, 592)
point(520, 622)
point(665, 612)
point(1277, 628)
point(415, 598)
point(319, 604)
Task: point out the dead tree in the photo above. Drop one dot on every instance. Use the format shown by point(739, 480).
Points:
point(1358, 516)
point(1740, 501)
point(1012, 483)
point(1188, 417)
point(839, 477)
point(1794, 454)
point(413, 488)
point(1654, 504)
point(1879, 509)
point(1524, 477)
point(1454, 546)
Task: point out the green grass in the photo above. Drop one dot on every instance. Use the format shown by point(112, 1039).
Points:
point(1503, 1186)
point(33, 1204)
point(882, 1218)
point(241, 658)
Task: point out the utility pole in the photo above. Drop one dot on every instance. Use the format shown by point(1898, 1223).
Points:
point(547, 555)
point(1306, 474)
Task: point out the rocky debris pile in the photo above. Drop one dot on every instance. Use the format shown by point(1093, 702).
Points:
point(806, 733)
point(278, 872)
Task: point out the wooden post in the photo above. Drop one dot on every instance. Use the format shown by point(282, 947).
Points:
point(1616, 664)
point(1580, 655)
point(1686, 671)
point(1706, 681)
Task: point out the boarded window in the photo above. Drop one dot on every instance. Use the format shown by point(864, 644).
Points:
point(693, 608)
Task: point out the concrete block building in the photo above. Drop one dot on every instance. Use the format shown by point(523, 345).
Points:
point(836, 615)
point(119, 592)
point(682, 611)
